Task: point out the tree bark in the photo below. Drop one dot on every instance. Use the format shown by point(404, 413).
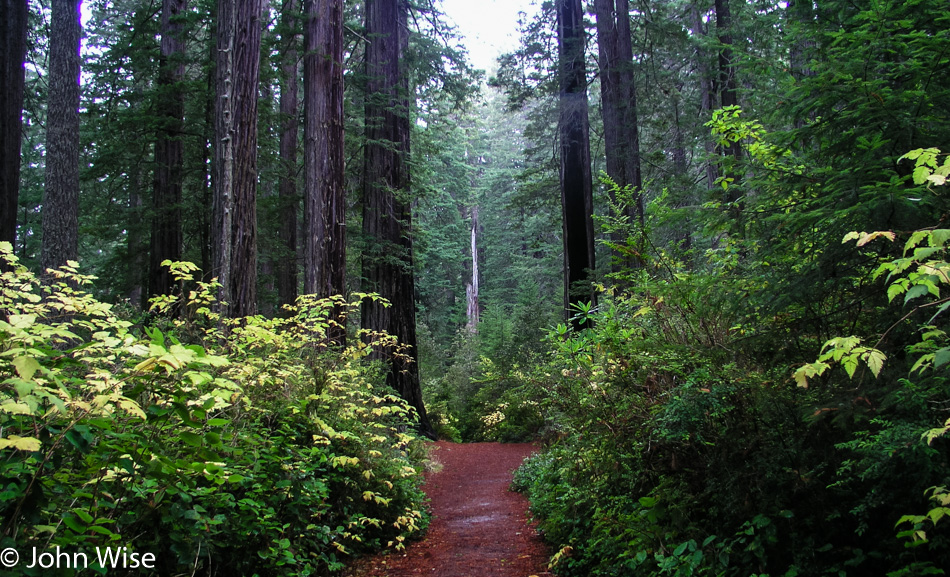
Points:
point(471, 288)
point(166, 239)
point(324, 175)
point(576, 185)
point(287, 187)
point(235, 207)
point(707, 93)
point(13, 15)
point(728, 96)
point(387, 219)
point(61, 193)
point(619, 104)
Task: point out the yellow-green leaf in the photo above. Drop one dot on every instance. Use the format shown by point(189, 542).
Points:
point(21, 443)
point(26, 367)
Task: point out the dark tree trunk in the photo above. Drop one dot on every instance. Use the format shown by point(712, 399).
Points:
point(619, 104)
point(387, 220)
point(707, 93)
point(166, 237)
point(324, 176)
point(287, 187)
point(13, 26)
point(728, 96)
point(576, 185)
point(136, 235)
point(235, 206)
point(61, 194)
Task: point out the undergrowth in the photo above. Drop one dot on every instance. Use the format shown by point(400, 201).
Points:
point(201, 445)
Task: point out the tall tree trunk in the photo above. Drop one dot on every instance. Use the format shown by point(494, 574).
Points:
point(728, 96)
point(619, 104)
point(61, 193)
point(387, 219)
point(707, 92)
point(287, 187)
point(471, 287)
point(13, 27)
point(576, 186)
point(324, 175)
point(235, 207)
point(135, 239)
point(166, 237)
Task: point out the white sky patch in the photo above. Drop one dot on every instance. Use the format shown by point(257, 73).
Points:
point(489, 27)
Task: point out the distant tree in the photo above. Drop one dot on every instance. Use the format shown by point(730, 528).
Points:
point(707, 86)
point(387, 217)
point(618, 93)
point(61, 194)
point(234, 236)
point(324, 174)
point(13, 15)
point(728, 94)
point(166, 240)
point(287, 185)
point(576, 186)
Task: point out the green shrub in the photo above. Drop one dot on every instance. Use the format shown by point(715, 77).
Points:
point(222, 448)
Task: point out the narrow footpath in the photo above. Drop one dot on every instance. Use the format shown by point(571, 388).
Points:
point(479, 527)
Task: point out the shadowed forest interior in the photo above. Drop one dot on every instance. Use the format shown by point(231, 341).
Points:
point(256, 254)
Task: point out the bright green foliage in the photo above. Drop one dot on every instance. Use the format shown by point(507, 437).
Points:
point(242, 449)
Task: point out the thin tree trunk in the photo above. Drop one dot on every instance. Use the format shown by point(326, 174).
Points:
point(324, 174)
point(576, 185)
point(135, 237)
point(287, 187)
point(166, 237)
point(235, 223)
point(61, 193)
point(387, 221)
point(471, 288)
point(13, 27)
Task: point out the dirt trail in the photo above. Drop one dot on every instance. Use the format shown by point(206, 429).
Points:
point(479, 527)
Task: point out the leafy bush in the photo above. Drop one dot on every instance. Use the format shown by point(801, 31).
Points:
point(685, 446)
point(221, 448)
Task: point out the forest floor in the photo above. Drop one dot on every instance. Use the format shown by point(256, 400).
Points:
point(479, 526)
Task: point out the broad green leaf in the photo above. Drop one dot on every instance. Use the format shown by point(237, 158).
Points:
point(26, 367)
point(942, 357)
point(915, 292)
point(21, 443)
point(875, 360)
point(190, 438)
point(939, 237)
point(11, 407)
point(894, 290)
point(22, 321)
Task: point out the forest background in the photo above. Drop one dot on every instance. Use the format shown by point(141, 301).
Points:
point(730, 390)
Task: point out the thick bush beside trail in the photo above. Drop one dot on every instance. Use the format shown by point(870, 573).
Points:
point(687, 458)
point(241, 449)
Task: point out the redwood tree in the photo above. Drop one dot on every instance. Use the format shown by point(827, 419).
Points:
point(618, 92)
point(169, 156)
point(234, 236)
point(387, 219)
point(13, 27)
point(287, 185)
point(324, 176)
point(574, 127)
point(61, 193)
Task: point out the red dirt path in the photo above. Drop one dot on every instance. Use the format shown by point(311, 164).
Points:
point(479, 527)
